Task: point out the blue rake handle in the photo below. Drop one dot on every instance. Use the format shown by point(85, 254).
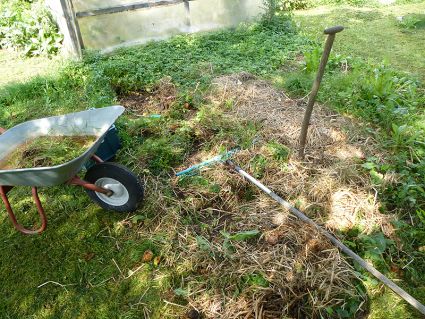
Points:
point(218, 158)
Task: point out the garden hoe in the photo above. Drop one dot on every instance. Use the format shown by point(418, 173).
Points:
point(331, 32)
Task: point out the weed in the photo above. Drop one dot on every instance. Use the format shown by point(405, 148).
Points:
point(28, 26)
point(160, 154)
point(312, 60)
point(256, 280)
point(409, 22)
point(299, 83)
point(259, 49)
point(46, 151)
point(258, 165)
point(278, 151)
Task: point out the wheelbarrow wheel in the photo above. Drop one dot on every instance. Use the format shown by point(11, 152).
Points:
point(126, 187)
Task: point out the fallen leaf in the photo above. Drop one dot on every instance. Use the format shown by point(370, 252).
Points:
point(156, 261)
point(147, 256)
point(88, 256)
point(271, 238)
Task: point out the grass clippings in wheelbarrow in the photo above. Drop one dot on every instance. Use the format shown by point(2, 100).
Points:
point(47, 151)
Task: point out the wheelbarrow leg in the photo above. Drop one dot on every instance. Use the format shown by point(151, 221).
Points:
point(3, 193)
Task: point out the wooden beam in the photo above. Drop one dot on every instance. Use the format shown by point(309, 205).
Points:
point(71, 32)
point(76, 24)
point(128, 7)
point(187, 11)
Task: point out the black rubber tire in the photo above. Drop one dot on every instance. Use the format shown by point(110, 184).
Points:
point(122, 174)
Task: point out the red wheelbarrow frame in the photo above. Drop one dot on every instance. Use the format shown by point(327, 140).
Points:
point(73, 181)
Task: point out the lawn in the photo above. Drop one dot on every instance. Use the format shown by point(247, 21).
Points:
point(210, 234)
point(17, 69)
point(373, 33)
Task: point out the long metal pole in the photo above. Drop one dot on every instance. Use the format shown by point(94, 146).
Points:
point(316, 85)
point(403, 294)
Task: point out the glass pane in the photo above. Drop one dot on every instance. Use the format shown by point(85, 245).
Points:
point(133, 27)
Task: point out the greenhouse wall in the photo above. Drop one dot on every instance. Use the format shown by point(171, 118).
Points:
point(107, 31)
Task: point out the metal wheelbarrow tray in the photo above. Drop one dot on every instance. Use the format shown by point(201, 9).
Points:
point(111, 185)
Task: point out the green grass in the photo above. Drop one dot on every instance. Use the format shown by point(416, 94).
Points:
point(372, 33)
point(85, 249)
point(16, 69)
point(189, 60)
point(90, 253)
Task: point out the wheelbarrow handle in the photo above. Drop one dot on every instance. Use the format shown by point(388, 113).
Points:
point(3, 193)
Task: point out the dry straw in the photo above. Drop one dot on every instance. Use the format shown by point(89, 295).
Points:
point(305, 274)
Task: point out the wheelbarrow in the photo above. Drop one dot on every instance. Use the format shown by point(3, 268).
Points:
point(112, 186)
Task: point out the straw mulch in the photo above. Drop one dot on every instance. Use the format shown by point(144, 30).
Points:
point(289, 269)
point(303, 273)
point(331, 177)
point(285, 268)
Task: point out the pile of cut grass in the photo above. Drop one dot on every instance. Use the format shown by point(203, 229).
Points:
point(44, 151)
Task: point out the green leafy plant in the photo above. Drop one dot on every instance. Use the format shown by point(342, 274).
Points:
point(421, 215)
point(203, 243)
point(413, 238)
point(240, 236)
point(28, 27)
point(258, 164)
point(255, 280)
point(408, 22)
point(299, 83)
point(376, 170)
point(278, 7)
point(243, 235)
point(278, 151)
point(312, 60)
point(374, 247)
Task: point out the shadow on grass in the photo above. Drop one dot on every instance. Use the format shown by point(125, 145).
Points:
point(82, 266)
